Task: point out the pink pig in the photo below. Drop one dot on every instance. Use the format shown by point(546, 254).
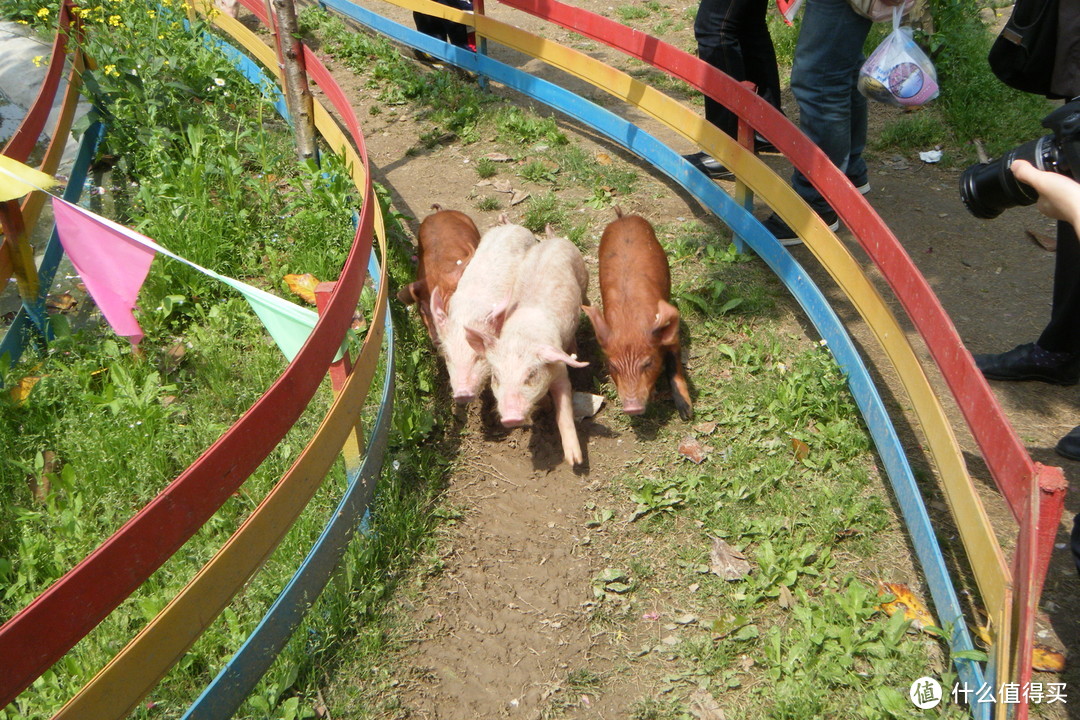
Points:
point(527, 340)
point(485, 283)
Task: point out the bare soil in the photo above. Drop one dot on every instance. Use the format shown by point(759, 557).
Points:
point(500, 631)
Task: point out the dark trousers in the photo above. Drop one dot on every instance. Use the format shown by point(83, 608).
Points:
point(1076, 541)
point(451, 32)
point(733, 37)
point(1062, 334)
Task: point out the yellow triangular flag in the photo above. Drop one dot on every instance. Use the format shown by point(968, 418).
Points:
point(17, 179)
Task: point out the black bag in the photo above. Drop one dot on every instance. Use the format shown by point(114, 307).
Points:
point(1022, 56)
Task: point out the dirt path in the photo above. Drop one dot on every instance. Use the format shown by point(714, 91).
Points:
point(503, 630)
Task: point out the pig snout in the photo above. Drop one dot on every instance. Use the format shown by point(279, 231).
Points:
point(512, 411)
point(464, 397)
point(633, 406)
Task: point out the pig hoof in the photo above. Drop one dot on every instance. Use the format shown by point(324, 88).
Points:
point(686, 410)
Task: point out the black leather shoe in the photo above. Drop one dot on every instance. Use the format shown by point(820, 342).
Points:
point(1031, 362)
point(1069, 446)
point(709, 165)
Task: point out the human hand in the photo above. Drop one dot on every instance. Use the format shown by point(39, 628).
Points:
point(1059, 195)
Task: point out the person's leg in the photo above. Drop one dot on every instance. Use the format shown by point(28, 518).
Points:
point(1076, 541)
point(828, 55)
point(1062, 334)
point(430, 25)
point(717, 30)
point(759, 55)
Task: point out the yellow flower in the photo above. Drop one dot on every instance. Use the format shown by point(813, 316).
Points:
point(111, 70)
point(22, 22)
point(114, 20)
point(43, 12)
point(39, 61)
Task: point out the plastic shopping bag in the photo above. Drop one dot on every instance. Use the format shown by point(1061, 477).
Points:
point(898, 72)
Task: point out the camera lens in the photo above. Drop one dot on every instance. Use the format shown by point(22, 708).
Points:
point(987, 189)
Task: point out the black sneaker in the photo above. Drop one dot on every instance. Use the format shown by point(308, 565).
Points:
point(1069, 447)
point(789, 237)
point(1031, 362)
point(709, 165)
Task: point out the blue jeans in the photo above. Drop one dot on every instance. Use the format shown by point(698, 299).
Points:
point(824, 80)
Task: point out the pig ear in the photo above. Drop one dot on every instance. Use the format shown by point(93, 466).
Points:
point(549, 231)
point(599, 324)
point(666, 327)
point(413, 292)
point(498, 316)
point(479, 341)
point(551, 354)
point(438, 309)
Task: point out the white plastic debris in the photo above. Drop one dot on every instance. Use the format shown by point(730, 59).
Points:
point(930, 156)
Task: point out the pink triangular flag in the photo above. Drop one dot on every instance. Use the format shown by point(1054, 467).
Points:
point(112, 260)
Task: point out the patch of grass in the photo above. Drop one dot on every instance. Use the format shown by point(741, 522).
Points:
point(915, 130)
point(519, 128)
point(544, 210)
point(486, 168)
point(488, 203)
point(637, 11)
point(539, 172)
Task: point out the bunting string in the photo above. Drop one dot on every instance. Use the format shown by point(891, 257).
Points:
point(113, 262)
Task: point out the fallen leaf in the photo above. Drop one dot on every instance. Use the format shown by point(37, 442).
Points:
point(603, 158)
point(705, 428)
point(519, 197)
point(785, 598)
point(498, 157)
point(502, 186)
point(802, 450)
point(1047, 659)
point(745, 663)
point(21, 390)
point(1044, 241)
point(483, 183)
point(586, 405)
point(303, 285)
point(704, 706)
point(690, 448)
point(687, 619)
point(727, 562)
point(905, 600)
point(62, 303)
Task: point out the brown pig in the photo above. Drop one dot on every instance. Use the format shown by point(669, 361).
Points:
point(447, 240)
point(639, 327)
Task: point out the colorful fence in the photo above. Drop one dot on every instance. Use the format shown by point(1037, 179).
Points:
point(39, 635)
point(1034, 493)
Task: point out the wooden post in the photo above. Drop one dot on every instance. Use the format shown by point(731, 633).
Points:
point(294, 78)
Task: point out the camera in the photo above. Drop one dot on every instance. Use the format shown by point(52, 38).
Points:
point(989, 188)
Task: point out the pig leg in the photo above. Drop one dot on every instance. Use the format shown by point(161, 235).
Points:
point(680, 391)
point(563, 397)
